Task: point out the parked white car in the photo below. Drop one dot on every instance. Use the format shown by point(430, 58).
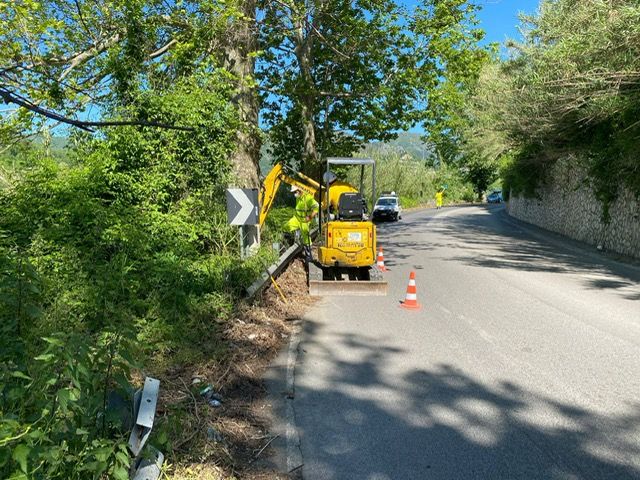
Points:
point(387, 207)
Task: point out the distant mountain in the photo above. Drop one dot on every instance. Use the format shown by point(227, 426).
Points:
point(406, 144)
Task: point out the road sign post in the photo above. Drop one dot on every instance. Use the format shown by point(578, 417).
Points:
point(243, 210)
point(249, 240)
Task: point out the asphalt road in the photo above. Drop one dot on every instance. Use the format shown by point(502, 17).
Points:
point(523, 363)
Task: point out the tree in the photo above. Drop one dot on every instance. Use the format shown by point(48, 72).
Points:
point(336, 73)
point(570, 87)
point(480, 173)
point(240, 49)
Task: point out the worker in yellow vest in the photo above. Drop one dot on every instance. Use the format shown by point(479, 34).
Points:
point(306, 211)
point(439, 195)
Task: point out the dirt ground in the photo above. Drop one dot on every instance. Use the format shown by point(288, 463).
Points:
point(227, 441)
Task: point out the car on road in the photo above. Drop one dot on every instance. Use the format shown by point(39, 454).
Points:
point(494, 197)
point(387, 207)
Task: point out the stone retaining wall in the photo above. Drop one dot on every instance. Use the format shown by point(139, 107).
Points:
point(567, 205)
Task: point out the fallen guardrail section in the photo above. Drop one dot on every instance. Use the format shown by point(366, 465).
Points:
point(146, 465)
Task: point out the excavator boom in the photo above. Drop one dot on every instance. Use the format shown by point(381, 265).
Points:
point(272, 182)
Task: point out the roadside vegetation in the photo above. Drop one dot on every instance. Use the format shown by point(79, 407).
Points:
point(568, 89)
point(123, 255)
point(414, 180)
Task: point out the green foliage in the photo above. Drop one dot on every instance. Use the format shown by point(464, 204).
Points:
point(61, 57)
point(456, 187)
point(463, 59)
point(128, 242)
point(272, 230)
point(365, 71)
point(480, 173)
point(569, 89)
point(414, 181)
point(19, 157)
point(53, 421)
point(521, 172)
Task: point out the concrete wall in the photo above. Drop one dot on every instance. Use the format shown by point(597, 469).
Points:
point(568, 206)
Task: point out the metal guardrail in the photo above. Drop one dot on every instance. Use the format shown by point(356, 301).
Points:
point(273, 270)
point(144, 412)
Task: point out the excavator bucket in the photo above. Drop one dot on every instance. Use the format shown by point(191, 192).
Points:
point(346, 281)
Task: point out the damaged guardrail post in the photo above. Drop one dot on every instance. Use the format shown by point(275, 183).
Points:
point(146, 467)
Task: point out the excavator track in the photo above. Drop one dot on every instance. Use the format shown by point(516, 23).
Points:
point(342, 281)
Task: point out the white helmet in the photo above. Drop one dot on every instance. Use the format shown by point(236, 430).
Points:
point(329, 177)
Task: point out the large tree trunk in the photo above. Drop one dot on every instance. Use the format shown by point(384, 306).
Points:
point(310, 160)
point(242, 42)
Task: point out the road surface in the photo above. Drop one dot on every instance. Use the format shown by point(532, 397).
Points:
point(523, 363)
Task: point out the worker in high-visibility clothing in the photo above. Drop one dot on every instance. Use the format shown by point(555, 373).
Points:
point(439, 195)
point(306, 211)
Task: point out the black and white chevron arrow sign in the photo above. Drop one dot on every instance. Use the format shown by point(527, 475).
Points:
point(242, 206)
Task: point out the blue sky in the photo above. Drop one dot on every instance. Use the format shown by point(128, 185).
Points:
point(499, 18)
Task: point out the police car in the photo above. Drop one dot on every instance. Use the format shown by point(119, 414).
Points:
point(387, 207)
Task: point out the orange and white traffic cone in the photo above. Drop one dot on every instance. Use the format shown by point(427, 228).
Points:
point(411, 300)
point(380, 262)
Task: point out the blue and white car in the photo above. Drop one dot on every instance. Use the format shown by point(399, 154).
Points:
point(495, 197)
point(387, 208)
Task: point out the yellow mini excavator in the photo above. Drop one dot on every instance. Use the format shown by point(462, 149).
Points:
point(346, 248)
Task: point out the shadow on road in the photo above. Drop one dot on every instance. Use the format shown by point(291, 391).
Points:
point(494, 240)
point(442, 423)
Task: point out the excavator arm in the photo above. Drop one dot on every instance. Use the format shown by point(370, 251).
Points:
point(271, 184)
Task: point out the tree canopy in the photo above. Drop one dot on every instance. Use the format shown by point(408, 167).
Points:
point(74, 62)
point(337, 74)
point(570, 87)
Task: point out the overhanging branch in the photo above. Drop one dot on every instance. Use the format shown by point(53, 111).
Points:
point(9, 97)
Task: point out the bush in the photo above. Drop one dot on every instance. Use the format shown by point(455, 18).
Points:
point(54, 421)
point(127, 242)
point(569, 89)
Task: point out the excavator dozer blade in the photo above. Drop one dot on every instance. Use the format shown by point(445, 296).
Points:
point(346, 282)
point(334, 288)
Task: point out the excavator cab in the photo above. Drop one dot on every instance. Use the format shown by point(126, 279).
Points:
point(351, 206)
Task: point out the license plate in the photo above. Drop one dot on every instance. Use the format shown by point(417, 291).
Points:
point(354, 237)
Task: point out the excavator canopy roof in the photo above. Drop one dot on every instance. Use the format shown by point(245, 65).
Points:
point(350, 161)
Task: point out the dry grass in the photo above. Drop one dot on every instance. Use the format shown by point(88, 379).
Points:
point(253, 337)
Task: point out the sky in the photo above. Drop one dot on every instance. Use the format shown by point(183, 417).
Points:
point(499, 18)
